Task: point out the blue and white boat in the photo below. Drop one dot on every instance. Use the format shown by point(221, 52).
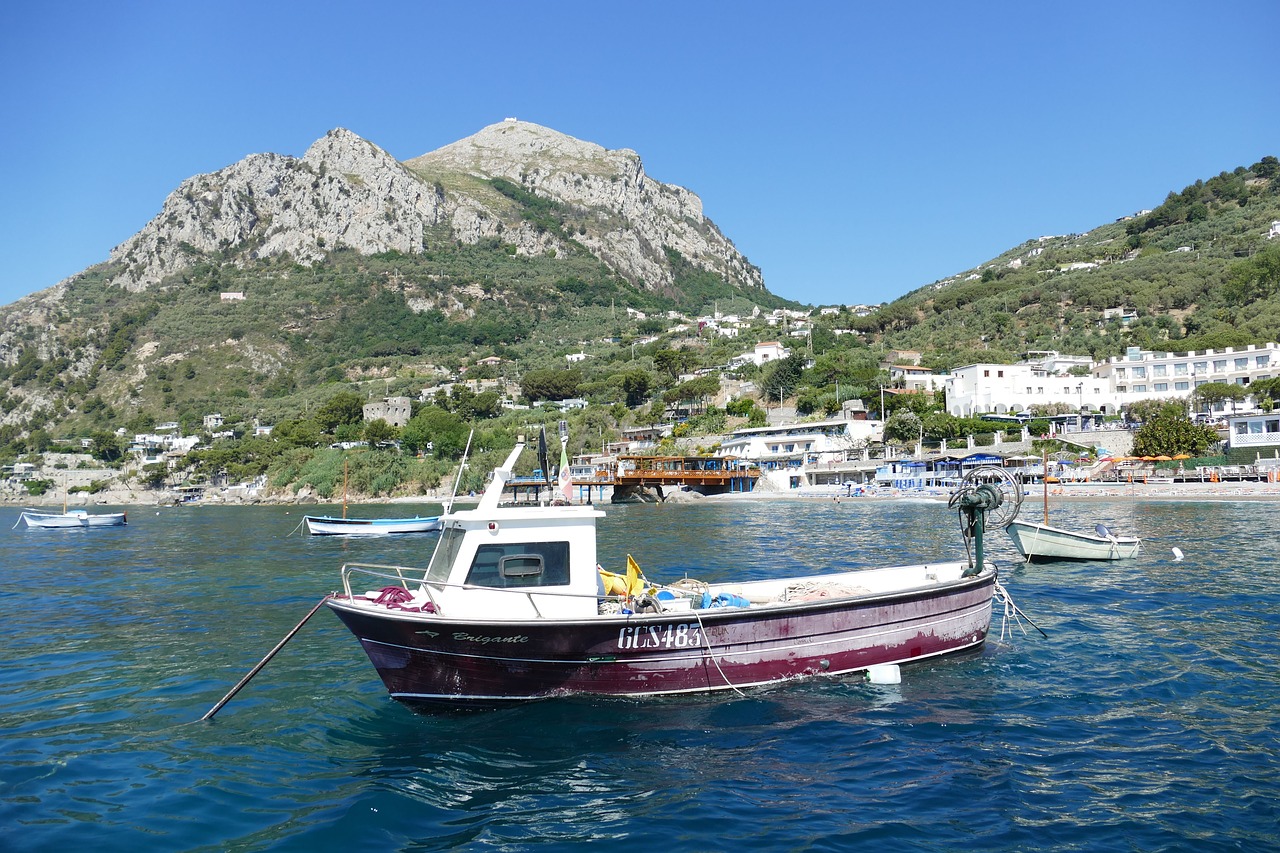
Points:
point(323, 525)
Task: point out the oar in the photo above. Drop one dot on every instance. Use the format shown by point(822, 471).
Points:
point(280, 645)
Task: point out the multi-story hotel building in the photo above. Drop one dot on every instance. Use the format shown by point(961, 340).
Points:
point(1111, 385)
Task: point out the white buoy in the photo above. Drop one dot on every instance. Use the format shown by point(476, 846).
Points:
point(886, 673)
point(1177, 554)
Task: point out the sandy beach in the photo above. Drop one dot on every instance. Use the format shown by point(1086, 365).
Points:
point(1232, 491)
point(1222, 491)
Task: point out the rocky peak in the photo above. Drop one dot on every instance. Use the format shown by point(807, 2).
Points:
point(346, 191)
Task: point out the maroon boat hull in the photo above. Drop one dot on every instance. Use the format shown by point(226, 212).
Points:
point(425, 659)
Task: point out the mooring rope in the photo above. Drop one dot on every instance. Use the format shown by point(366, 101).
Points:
point(1012, 610)
point(711, 652)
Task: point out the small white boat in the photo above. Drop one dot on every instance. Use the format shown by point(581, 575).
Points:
point(74, 519)
point(323, 525)
point(1043, 542)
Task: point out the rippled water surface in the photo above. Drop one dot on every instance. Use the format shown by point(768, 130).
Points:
point(1146, 720)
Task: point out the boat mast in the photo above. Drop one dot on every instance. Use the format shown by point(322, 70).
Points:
point(1045, 479)
point(344, 487)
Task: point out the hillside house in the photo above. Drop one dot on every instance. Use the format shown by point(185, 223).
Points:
point(765, 351)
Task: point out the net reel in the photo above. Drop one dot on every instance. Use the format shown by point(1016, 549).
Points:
point(988, 497)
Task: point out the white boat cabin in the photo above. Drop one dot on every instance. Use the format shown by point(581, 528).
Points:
point(485, 554)
point(547, 552)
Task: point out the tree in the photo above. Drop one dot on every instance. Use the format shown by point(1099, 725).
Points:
point(106, 446)
point(1212, 393)
point(298, 433)
point(903, 428)
point(1171, 432)
point(380, 432)
point(785, 376)
point(345, 407)
point(671, 362)
point(551, 384)
point(444, 431)
point(636, 384)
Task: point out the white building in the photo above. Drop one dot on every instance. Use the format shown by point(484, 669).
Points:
point(915, 378)
point(1012, 388)
point(765, 351)
point(1256, 431)
point(1145, 375)
point(153, 448)
point(813, 443)
point(1111, 386)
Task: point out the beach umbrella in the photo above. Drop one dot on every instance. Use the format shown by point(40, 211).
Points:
point(1182, 456)
point(1162, 458)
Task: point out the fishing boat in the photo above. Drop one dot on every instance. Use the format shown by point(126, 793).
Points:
point(1044, 542)
point(324, 525)
point(514, 606)
point(73, 519)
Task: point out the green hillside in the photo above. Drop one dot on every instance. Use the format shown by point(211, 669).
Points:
point(307, 344)
point(1198, 271)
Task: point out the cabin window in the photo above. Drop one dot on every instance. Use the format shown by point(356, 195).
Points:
point(445, 554)
point(520, 564)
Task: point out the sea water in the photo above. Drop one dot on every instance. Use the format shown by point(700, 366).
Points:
point(1145, 720)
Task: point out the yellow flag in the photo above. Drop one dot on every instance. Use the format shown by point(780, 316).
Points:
point(635, 582)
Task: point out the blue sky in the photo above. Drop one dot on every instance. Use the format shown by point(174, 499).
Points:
point(853, 151)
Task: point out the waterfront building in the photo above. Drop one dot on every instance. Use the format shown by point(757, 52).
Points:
point(1258, 431)
point(799, 444)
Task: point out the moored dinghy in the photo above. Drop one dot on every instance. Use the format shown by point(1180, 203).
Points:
point(324, 525)
point(513, 606)
point(1043, 542)
point(73, 519)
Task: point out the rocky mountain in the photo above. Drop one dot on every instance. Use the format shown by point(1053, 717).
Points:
point(347, 192)
point(345, 264)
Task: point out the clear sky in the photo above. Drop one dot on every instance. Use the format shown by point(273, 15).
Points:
point(852, 150)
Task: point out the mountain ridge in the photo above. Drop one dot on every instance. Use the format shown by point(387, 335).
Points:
point(345, 191)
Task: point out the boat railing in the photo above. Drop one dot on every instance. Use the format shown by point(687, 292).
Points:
point(408, 577)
